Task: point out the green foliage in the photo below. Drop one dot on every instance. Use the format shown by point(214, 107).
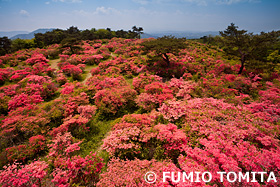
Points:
point(164, 46)
point(93, 139)
point(274, 57)
point(72, 43)
point(58, 35)
point(19, 44)
point(5, 45)
point(4, 105)
point(138, 31)
point(247, 46)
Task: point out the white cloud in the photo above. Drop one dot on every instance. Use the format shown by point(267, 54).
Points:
point(142, 2)
point(103, 10)
point(229, 2)
point(99, 11)
point(47, 3)
point(220, 2)
point(68, 1)
point(24, 13)
point(198, 2)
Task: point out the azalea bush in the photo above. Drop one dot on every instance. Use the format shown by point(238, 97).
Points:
point(154, 95)
point(24, 175)
point(36, 58)
point(110, 101)
point(132, 172)
point(73, 71)
point(136, 138)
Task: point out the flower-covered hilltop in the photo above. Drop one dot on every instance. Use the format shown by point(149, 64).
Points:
point(113, 110)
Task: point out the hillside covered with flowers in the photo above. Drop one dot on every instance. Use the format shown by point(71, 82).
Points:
point(106, 114)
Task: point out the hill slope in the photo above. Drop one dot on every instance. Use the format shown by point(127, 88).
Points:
point(110, 113)
point(11, 33)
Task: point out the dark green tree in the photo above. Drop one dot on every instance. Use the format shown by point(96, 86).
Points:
point(18, 44)
point(5, 45)
point(247, 46)
point(138, 31)
point(121, 33)
point(72, 43)
point(88, 35)
point(73, 30)
point(50, 37)
point(164, 45)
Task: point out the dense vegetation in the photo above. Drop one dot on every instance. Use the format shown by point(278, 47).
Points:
point(72, 34)
point(256, 51)
point(104, 112)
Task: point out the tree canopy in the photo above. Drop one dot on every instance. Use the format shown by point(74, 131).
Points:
point(5, 45)
point(164, 45)
point(58, 35)
point(247, 46)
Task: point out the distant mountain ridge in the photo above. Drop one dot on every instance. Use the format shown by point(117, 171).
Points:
point(10, 34)
point(31, 34)
point(179, 34)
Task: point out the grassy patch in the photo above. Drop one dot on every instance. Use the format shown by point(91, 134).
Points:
point(93, 140)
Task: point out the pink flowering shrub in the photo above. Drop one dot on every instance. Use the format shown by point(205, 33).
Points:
point(131, 68)
point(112, 70)
point(62, 145)
point(103, 82)
point(92, 59)
point(42, 85)
point(115, 66)
point(5, 74)
point(42, 68)
point(61, 79)
point(155, 94)
point(131, 173)
point(78, 171)
point(142, 80)
point(72, 70)
point(71, 89)
point(160, 68)
point(87, 111)
point(75, 59)
point(215, 87)
point(95, 71)
point(70, 169)
point(24, 100)
point(66, 168)
point(17, 153)
point(73, 101)
point(267, 107)
point(181, 88)
point(172, 110)
point(32, 174)
point(63, 58)
point(35, 146)
point(36, 58)
point(76, 125)
point(112, 100)
point(209, 124)
point(17, 128)
point(135, 138)
point(17, 75)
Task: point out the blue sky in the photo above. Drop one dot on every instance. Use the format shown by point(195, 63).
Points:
point(152, 15)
